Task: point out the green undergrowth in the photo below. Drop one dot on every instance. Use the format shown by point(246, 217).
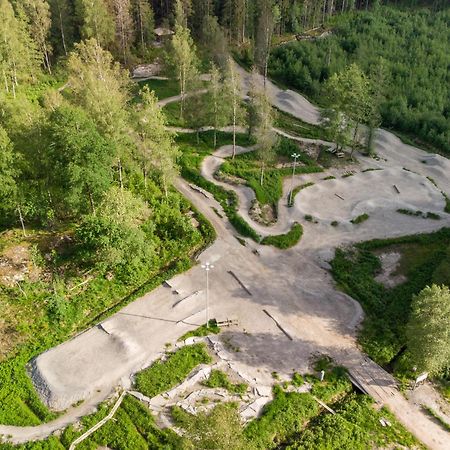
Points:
point(163, 375)
point(425, 259)
point(292, 420)
point(287, 240)
point(213, 328)
point(297, 421)
point(132, 428)
point(219, 379)
point(355, 425)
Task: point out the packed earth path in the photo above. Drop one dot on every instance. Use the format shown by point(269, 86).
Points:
point(285, 301)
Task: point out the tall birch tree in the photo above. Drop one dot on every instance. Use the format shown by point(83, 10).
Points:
point(232, 95)
point(218, 110)
point(184, 60)
point(124, 26)
point(155, 143)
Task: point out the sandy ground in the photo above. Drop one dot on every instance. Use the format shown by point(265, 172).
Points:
point(289, 308)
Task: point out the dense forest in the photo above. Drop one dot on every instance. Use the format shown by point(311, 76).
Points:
point(404, 51)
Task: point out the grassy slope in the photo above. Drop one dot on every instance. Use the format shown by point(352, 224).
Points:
point(29, 312)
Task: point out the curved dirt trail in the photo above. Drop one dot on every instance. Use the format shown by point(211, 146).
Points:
point(294, 286)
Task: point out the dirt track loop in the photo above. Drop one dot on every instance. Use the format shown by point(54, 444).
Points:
point(293, 286)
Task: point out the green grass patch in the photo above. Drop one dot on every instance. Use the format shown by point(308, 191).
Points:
point(163, 375)
point(356, 425)
point(359, 219)
point(282, 418)
point(219, 379)
point(213, 328)
point(297, 127)
point(287, 240)
point(162, 88)
point(296, 190)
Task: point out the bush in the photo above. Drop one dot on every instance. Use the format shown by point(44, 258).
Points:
point(359, 219)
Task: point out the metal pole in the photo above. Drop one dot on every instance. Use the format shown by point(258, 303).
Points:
point(207, 298)
point(207, 266)
point(295, 156)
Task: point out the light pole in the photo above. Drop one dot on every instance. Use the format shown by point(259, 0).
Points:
point(207, 266)
point(295, 156)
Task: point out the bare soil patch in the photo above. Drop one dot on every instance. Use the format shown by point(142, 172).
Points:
point(388, 276)
point(16, 265)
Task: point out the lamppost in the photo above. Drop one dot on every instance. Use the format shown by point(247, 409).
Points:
point(207, 266)
point(295, 156)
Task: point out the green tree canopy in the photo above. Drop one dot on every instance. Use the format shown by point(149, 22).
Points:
point(79, 160)
point(428, 331)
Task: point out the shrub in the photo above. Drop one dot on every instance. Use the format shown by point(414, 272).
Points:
point(202, 331)
point(219, 379)
point(359, 219)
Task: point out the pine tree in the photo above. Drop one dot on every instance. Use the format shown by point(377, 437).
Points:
point(19, 59)
point(96, 21)
point(145, 22)
point(37, 13)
